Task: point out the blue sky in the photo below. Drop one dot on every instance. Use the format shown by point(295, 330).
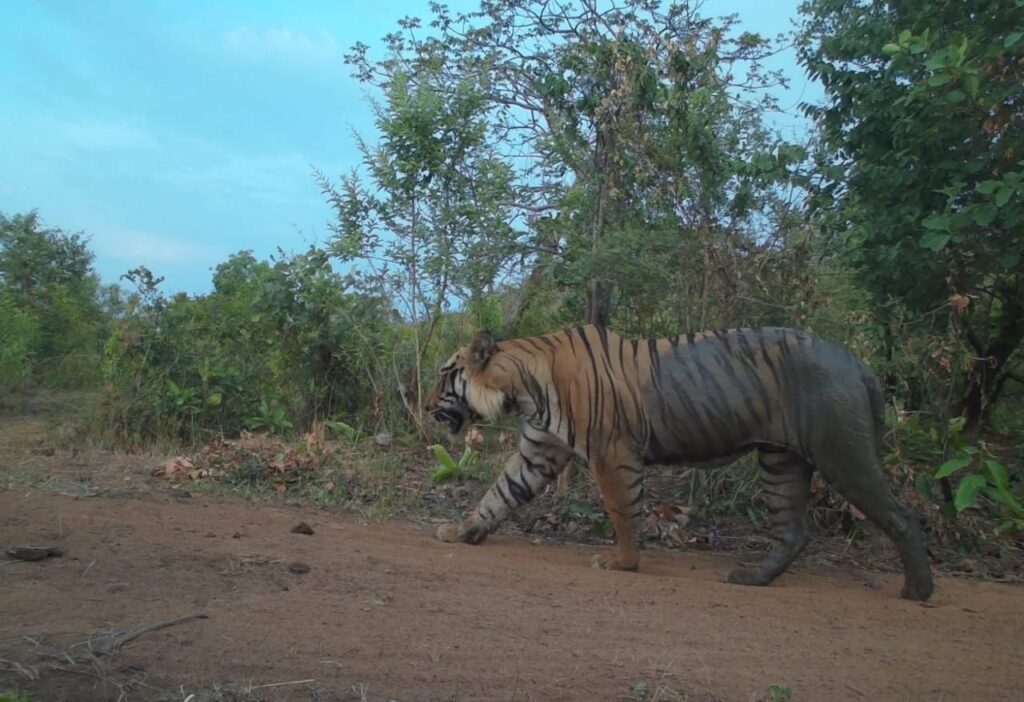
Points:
point(175, 133)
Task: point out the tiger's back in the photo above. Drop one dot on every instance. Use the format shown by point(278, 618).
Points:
point(707, 397)
point(727, 391)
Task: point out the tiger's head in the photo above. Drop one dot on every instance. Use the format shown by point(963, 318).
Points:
point(466, 390)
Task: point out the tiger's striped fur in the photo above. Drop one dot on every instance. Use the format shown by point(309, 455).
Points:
point(695, 399)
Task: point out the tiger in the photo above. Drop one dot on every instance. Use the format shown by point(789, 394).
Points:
point(698, 399)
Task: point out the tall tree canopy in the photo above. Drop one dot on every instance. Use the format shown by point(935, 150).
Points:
point(636, 136)
point(925, 120)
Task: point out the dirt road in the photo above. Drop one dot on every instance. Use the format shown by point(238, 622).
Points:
point(385, 612)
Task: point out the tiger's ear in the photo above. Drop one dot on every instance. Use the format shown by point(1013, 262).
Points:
point(481, 348)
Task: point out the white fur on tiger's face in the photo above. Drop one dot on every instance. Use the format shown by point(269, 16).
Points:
point(460, 397)
point(448, 401)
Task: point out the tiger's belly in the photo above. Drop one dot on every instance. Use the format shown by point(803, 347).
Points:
point(698, 457)
point(707, 429)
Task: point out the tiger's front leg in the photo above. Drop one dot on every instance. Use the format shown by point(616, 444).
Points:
point(622, 491)
point(525, 474)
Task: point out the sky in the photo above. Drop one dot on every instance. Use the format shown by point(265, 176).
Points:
point(175, 133)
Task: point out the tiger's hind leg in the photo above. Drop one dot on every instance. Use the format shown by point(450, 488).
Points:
point(859, 478)
point(786, 481)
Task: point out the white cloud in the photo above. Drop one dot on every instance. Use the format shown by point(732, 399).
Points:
point(100, 136)
point(139, 247)
point(272, 177)
point(282, 45)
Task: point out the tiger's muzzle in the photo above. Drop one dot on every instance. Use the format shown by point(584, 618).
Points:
point(456, 419)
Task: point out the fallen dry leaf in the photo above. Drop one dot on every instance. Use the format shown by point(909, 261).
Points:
point(959, 303)
point(177, 468)
point(672, 513)
point(474, 437)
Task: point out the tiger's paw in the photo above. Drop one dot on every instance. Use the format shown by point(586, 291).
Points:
point(919, 590)
point(453, 533)
point(747, 576)
point(449, 533)
point(610, 561)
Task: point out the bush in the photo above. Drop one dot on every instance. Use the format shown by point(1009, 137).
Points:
point(276, 346)
point(19, 335)
point(46, 275)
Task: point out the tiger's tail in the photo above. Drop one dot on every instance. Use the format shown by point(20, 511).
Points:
point(877, 401)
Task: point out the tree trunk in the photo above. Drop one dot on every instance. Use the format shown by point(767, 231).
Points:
point(527, 292)
point(599, 291)
point(599, 302)
point(986, 371)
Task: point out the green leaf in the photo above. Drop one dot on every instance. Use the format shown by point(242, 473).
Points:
point(467, 459)
point(936, 241)
point(1003, 196)
point(997, 472)
point(1005, 498)
point(951, 466)
point(983, 215)
point(443, 457)
point(443, 473)
point(1010, 261)
point(971, 83)
point(1012, 38)
point(967, 492)
point(891, 49)
point(939, 79)
point(214, 400)
point(346, 430)
point(987, 187)
point(936, 221)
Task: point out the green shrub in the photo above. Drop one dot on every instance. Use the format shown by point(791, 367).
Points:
point(19, 336)
point(276, 346)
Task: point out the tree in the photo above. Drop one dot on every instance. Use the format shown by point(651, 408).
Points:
point(631, 130)
point(430, 220)
point(48, 274)
point(925, 114)
point(18, 341)
point(34, 260)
